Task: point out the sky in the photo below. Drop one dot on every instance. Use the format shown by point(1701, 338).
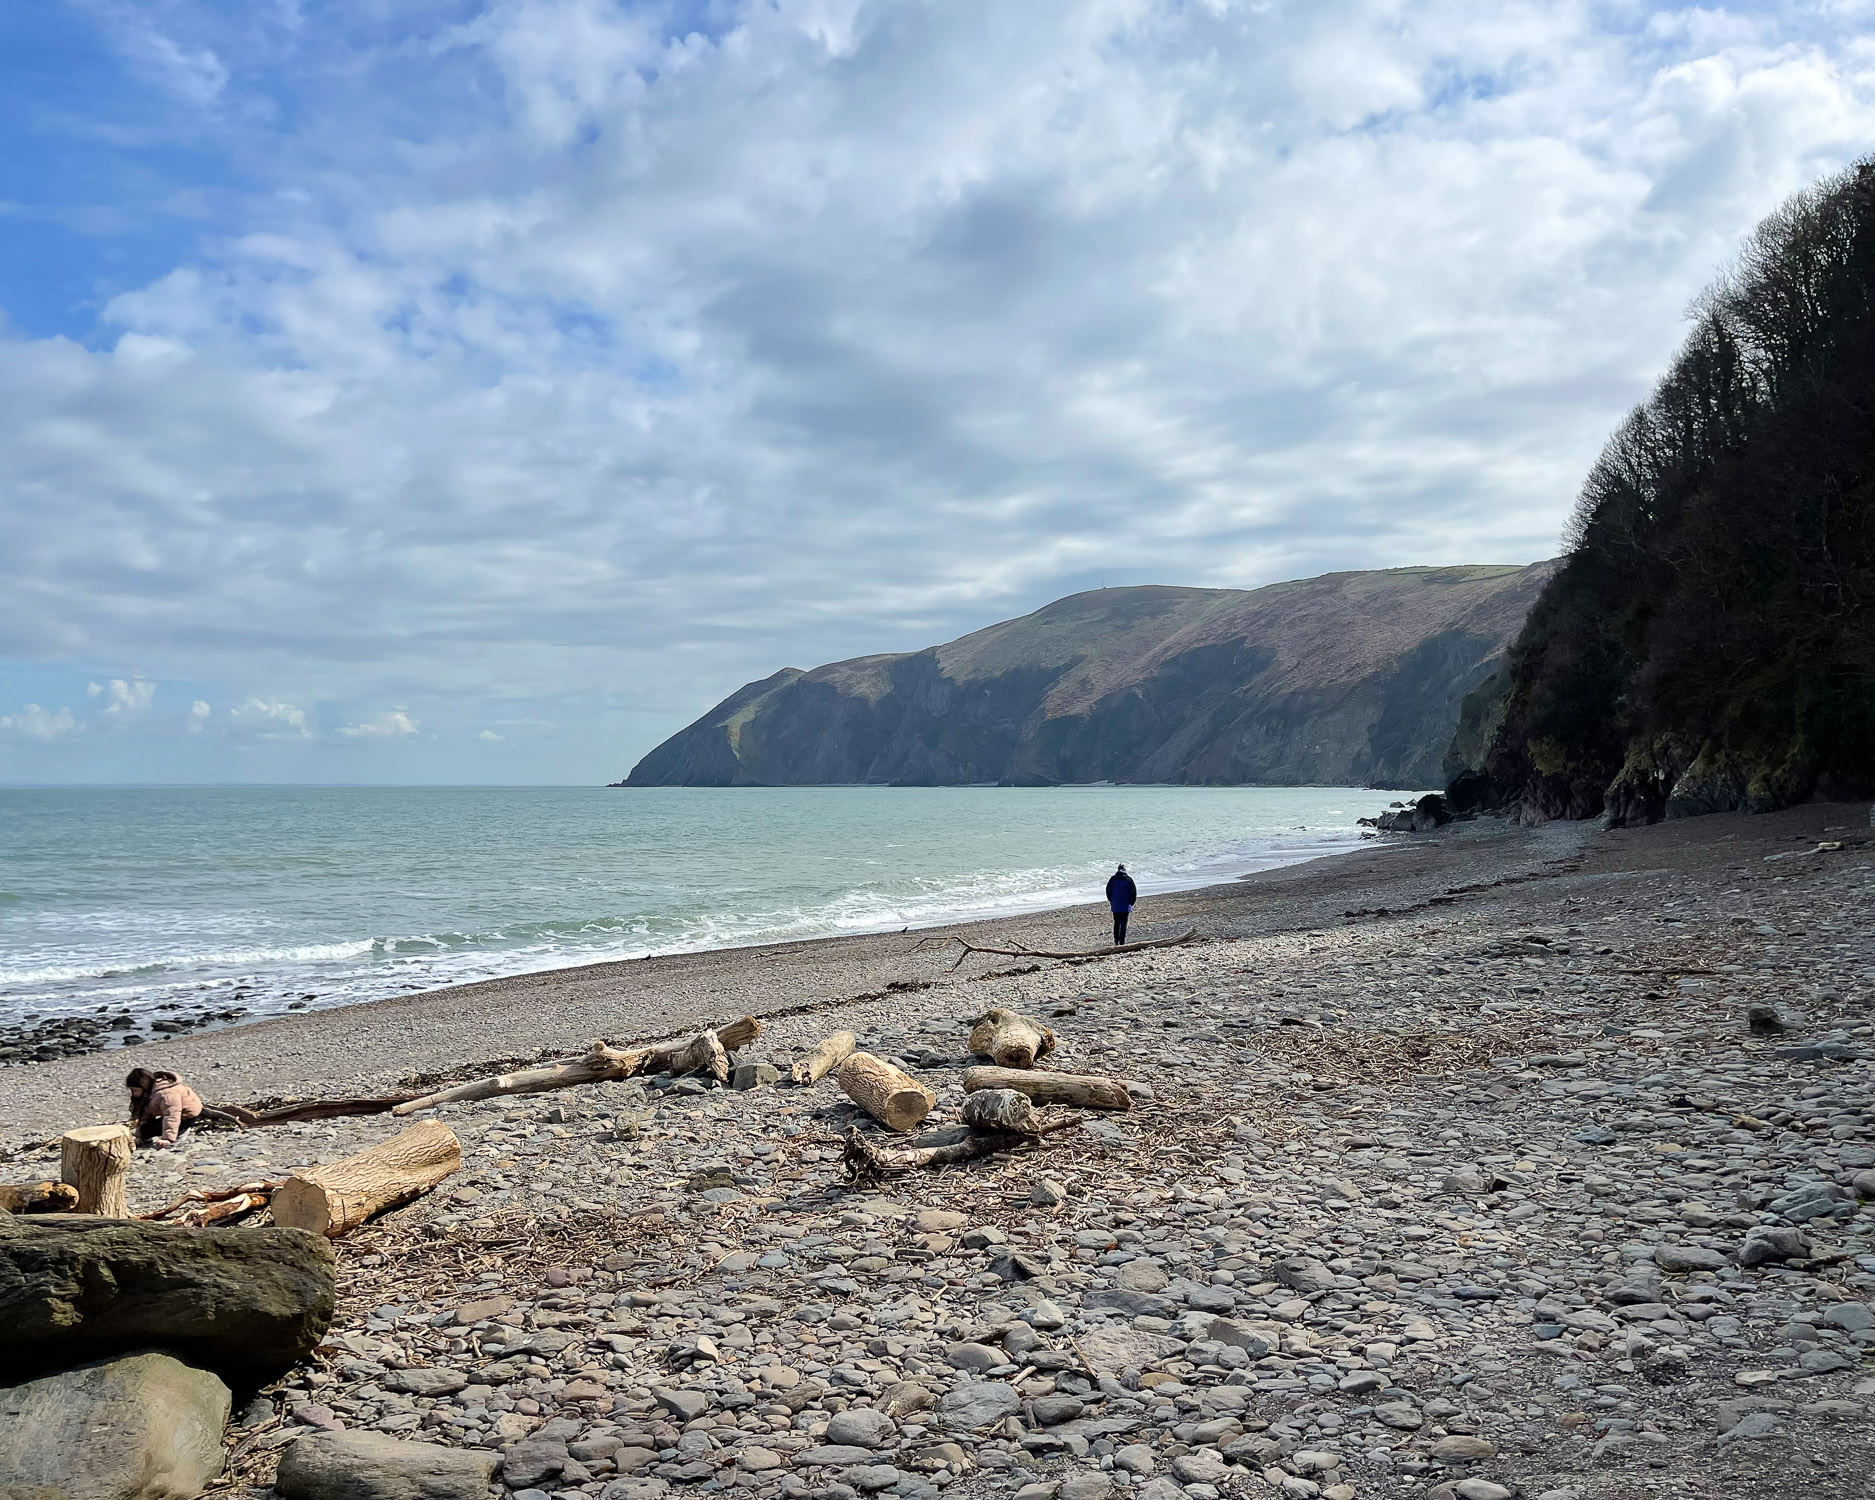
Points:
point(442, 391)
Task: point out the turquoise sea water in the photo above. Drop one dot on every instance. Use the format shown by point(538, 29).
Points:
point(135, 899)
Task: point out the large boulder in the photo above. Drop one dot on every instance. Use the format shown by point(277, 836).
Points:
point(146, 1427)
point(371, 1466)
point(247, 1303)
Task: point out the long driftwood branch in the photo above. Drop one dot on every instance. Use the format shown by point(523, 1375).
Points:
point(307, 1109)
point(706, 1052)
point(967, 947)
point(866, 1162)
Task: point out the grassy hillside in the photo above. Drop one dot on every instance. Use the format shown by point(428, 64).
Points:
point(1351, 677)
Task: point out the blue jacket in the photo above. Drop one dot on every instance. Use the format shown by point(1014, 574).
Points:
point(1121, 892)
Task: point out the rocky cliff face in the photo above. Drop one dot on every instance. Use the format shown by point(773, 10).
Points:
point(1351, 678)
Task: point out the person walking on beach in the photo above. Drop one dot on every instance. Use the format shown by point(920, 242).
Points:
point(1121, 894)
point(162, 1105)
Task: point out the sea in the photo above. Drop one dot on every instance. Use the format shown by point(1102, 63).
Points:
point(249, 901)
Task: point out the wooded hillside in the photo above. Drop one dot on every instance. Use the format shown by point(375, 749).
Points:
point(1709, 641)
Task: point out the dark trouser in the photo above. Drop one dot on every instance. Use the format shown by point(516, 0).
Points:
point(1119, 927)
point(149, 1130)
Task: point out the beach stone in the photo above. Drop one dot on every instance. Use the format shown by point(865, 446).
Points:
point(1135, 1304)
point(1401, 1415)
point(938, 1220)
point(636, 1488)
point(1688, 1258)
point(686, 1406)
point(248, 1304)
point(1204, 1466)
point(483, 1309)
point(977, 1357)
point(861, 1427)
point(1135, 1458)
point(534, 1459)
point(1086, 1487)
point(754, 1075)
point(1140, 1276)
point(372, 1466)
point(754, 1459)
point(146, 1427)
point(832, 1455)
point(976, 1403)
point(426, 1381)
point(1462, 1449)
point(1481, 1489)
point(1304, 1273)
point(1765, 1243)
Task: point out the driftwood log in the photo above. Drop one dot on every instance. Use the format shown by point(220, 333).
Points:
point(1000, 1112)
point(338, 1197)
point(832, 1051)
point(866, 1162)
point(1012, 1040)
point(706, 1052)
point(966, 948)
point(889, 1094)
point(1080, 1090)
point(739, 1033)
point(95, 1159)
point(309, 1109)
point(38, 1198)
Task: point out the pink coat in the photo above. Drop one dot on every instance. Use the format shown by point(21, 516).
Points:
point(171, 1103)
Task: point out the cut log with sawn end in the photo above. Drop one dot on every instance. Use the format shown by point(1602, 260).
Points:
point(336, 1198)
point(95, 1159)
point(1011, 1040)
point(1081, 1090)
point(889, 1094)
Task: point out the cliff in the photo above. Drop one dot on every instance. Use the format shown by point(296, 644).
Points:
point(1351, 678)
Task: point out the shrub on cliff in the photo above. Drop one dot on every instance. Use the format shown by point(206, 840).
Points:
point(1709, 641)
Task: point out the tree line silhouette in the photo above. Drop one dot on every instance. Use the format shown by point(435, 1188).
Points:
point(1709, 640)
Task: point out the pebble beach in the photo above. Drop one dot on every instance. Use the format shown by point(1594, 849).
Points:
point(1487, 1163)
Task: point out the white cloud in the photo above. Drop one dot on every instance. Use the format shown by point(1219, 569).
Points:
point(121, 699)
point(489, 737)
point(393, 725)
point(198, 716)
point(261, 719)
point(36, 723)
point(577, 365)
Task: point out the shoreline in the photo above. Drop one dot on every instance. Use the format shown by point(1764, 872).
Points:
point(562, 1010)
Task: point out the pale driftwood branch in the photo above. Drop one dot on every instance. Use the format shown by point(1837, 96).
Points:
point(1077, 1089)
point(341, 1195)
point(597, 1066)
point(261, 1191)
point(706, 1052)
point(1012, 1040)
point(832, 1051)
point(967, 947)
point(889, 1094)
point(866, 1162)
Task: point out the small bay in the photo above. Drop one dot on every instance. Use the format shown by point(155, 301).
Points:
point(141, 902)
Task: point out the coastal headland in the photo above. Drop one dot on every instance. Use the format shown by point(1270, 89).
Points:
point(1457, 1166)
